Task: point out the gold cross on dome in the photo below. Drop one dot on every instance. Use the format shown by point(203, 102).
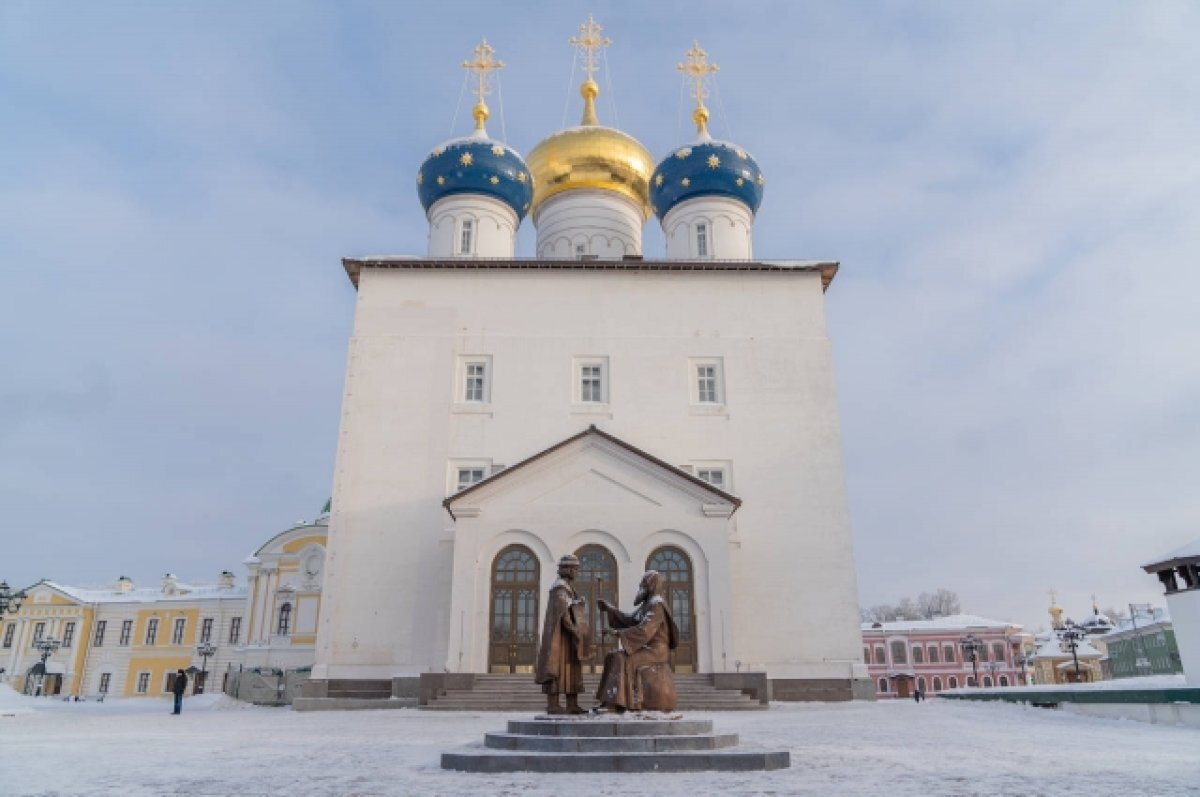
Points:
point(589, 42)
point(696, 69)
point(483, 64)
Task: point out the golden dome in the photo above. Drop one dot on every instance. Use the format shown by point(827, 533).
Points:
point(591, 156)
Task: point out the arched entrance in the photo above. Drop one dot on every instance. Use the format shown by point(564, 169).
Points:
point(597, 579)
point(513, 639)
point(676, 569)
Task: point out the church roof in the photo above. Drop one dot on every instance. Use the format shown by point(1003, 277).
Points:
point(354, 266)
point(593, 431)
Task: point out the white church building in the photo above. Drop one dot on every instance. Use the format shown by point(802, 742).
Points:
point(671, 412)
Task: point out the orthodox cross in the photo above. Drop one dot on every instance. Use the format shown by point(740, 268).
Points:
point(483, 64)
point(589, 42)
point(696, 69)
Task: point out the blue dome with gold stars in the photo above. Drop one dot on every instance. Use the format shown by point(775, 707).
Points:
point(476, 165)
point(706, 168)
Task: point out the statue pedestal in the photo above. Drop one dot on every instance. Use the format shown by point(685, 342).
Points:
point(605, 743)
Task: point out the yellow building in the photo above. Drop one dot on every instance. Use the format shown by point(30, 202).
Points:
point(122, 640)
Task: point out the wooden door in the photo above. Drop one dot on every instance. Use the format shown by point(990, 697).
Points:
point(676, 570)
point(513, 642)
point(597, 579)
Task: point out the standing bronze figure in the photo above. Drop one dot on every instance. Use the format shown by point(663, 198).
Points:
point(566, 642)
point(638, 677)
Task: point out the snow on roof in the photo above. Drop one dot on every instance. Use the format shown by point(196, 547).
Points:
point(951, 622)
point(183, 592)
point(1188, 551)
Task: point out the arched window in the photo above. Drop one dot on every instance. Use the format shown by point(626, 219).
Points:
point(514, 633)
point(1004, 680)
point(918, 654)
point(597, 579)
point(933, 654)
point(676, 570)
point(970, 680)
point(285, 619)
point(953, 682)
point(883, 684)
point(987, 681)
point(466, 237)
point(937, 684)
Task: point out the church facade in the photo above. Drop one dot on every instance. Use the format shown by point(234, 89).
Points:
point(674, 413)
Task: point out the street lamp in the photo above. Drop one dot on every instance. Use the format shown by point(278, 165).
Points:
point(1071, 637)
point(10, 602)
point(46, 647)
point(204, 650)
point(971, 645)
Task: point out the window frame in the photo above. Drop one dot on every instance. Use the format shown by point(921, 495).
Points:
point(105, 683)
point(68, 635)
point(206, 629)
point(98, 635)
point(283, 622)
point(596, 402)
point(142, 686)
point(467, 234)
point(178, 631)
point(235, 630)
point(151, 638)
point(702, 238)
point(883, 686)
point(699, 402)
point(39, 630)
point(10, 631)
point(126, 633)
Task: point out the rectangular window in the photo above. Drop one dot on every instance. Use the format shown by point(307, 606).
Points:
point(151, 631)
point(126, 632)
point(469, 476)
point(466, 239)
point(169, 682)
point(68, 634)
point(933, 654)
point(475, 382)
point(143, 683)
point(235, 630)
point(706, 384)
point(714, 476)
point(702, 240)
point(707, 375)
point(899, 653)
point(177, 634)
point(105, 679)
point(8, 635)
point(38, 630)
point(591, 383)
point(949, 651)
point(206, 626)
point(98, 639)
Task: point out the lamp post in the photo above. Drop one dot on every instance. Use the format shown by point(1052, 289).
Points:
point(10, 602)
point(204, 650)
point(46, 647)
point(1071, 637)
point(971, 645)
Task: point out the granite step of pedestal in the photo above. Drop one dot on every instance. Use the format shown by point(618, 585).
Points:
point(520, 742)
point(629, 725)
point(495, 761)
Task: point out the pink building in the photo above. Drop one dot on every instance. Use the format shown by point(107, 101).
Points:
point(930, 655)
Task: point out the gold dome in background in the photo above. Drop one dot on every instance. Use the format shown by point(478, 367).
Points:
point(590, 156)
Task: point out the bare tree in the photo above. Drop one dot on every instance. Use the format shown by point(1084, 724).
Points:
point(926, 607)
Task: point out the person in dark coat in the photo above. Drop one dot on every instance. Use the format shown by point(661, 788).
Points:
point(179, 687)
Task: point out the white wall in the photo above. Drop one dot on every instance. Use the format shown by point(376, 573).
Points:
point(391, 543)
point(729, 223)
point(1184, 608)
point(605, 223)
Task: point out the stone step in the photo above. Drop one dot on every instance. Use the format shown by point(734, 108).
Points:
point(608, 744)
point(700, 761)
point(589, 727)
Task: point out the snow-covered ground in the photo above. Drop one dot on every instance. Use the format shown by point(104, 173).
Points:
point(221, 747)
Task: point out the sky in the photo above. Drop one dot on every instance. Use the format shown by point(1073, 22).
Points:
point(1012, 190)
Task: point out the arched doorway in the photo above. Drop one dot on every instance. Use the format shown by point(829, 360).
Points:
point(513, 639)
point(597, 579)
point(676, 569)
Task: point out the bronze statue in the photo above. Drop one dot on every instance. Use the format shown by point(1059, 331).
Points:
point(566, 642)
point(638, 677)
